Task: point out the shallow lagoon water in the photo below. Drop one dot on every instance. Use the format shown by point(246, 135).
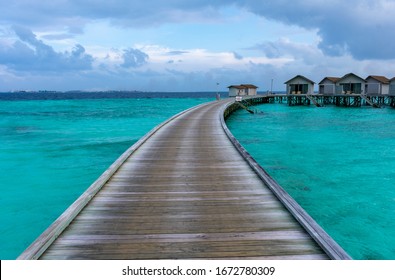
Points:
point(53, 150)
point(338, 164)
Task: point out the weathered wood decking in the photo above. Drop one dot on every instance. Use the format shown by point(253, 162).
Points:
point(183, 192)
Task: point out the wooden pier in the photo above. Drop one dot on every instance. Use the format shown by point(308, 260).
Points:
point(341, 100)
point(187, 190)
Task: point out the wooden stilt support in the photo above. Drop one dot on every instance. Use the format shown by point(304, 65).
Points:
point(245, 107)
point(311, 98)
point(367, 100)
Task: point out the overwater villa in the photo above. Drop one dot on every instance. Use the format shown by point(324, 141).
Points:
point(353, 84)
point(328, 85)
point(300, 85)
point(377, 85)
point(350, 84)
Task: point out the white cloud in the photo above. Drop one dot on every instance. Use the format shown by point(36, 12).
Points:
point(362, 28)
point(355, 26)
point(185, 44)
point(134, 58)
point(28, 53)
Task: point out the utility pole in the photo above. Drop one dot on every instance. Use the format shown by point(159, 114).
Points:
point(271, 87)
point(217, 95)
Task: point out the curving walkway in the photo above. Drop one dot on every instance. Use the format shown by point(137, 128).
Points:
point(184, 193)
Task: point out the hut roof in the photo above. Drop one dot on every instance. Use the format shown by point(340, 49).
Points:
point(243, 86)
point(350, 74)
point(299, 76)
point(381, 79)
point(235, 86)
point(332, 79)
point(249, 85)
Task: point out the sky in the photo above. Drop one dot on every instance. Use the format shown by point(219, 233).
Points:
point(194, 45)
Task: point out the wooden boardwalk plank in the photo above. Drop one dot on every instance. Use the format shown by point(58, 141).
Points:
point(186, 193)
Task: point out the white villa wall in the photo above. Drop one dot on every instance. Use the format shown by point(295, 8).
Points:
point(385, 89)
point(392, 87)
point(251, 91)
point(233, 92)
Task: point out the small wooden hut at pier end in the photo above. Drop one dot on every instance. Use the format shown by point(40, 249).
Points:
point(300, 85)
point(242, 90)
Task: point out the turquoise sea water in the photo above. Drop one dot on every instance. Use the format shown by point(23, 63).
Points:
point(52, 150)
point(338, 164)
